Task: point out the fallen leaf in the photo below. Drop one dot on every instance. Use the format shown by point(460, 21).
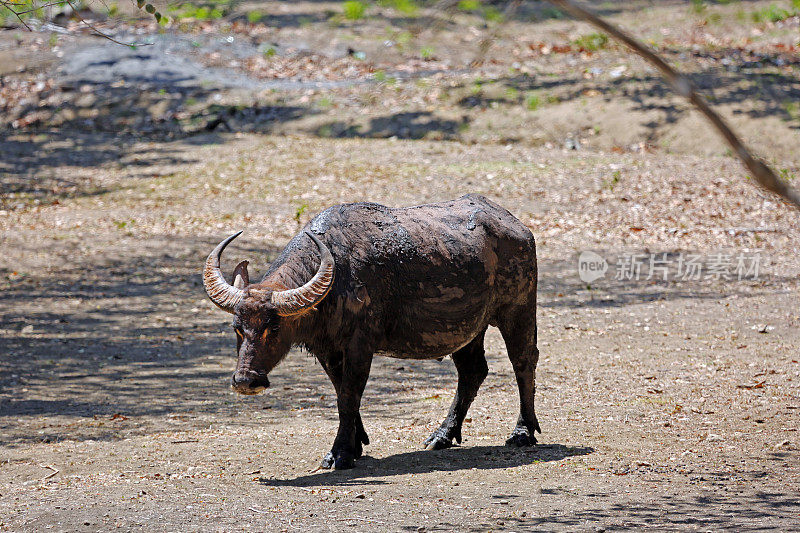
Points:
point(759, 385)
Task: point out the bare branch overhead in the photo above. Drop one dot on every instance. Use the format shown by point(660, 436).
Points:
point(761, 172)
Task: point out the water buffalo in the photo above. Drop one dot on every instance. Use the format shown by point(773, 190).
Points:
point(418, 282)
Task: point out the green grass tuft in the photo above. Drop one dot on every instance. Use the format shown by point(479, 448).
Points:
point(773, 13)
point(353, 9)
point(591, 42)
point(406, 7)
point(469, 5)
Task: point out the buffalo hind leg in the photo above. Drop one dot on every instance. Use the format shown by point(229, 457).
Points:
point(519, 333)
point(472, 370)
point(332, 364)
point(346, 446)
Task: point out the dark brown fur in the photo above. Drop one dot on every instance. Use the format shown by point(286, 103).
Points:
point(419, 282)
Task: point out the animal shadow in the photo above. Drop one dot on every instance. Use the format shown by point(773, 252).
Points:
point(368, 468)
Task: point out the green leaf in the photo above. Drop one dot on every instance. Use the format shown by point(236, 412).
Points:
point(150, 8)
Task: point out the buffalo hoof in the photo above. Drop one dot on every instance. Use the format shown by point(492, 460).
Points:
point(341, 462)
point(521, 437)
point(344, 462)
point(438, 441)
point(327, 461)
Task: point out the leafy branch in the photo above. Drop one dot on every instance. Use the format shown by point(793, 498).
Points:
point(21, 10)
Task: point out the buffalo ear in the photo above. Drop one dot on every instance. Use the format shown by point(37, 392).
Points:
point(241, 278)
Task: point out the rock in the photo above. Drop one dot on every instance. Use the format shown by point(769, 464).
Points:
point(617, 72)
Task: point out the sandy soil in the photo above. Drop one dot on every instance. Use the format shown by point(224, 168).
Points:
point(669, 405)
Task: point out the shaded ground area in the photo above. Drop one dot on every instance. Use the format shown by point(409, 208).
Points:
point(669, 404)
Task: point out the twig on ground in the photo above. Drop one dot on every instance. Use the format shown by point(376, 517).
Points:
point(737, 231)
point(51, 474)
point(361, 519)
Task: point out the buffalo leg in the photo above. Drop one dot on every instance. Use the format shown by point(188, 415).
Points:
point(355, 371)
point(519, 333)
point(472, 370)
point(332, 364)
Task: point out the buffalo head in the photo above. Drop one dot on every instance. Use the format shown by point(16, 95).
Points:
point(263, 315)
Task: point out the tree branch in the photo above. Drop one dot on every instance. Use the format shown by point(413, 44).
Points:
point(13, 5)
point(487, 41)
point(6, 5)
point(97, 31)
point(762, 173)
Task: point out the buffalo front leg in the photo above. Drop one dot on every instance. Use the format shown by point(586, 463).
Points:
point(332, 364)
point(472, 369)
point(355, 371)
point(519, 334)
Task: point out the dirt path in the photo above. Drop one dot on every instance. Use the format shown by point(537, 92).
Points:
point(662, 403)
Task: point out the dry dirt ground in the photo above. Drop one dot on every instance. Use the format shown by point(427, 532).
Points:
point(667, 405)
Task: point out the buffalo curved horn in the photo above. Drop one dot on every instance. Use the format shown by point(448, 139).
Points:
point(241, 278)
point(223, 295)
point(294, 301)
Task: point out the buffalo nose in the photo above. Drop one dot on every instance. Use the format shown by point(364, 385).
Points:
point(249, 382)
